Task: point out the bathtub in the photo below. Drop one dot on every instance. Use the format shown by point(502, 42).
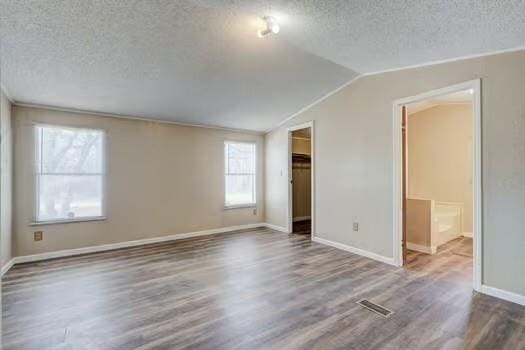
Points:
point(446, 222)
point(431, 223)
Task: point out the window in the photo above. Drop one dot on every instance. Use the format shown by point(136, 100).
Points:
point(239, 174)
point(69, 174)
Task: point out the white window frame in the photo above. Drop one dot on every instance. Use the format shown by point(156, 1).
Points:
point(242, 205)
point(36, 178)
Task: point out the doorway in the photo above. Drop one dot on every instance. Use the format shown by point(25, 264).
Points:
point(437, 179)
point(300, 170)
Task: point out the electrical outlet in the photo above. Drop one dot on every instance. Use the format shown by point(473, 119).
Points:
point(38, 235)
point(355, 226)
point(254, 211)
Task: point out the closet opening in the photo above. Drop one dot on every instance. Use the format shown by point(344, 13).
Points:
point(300, 219)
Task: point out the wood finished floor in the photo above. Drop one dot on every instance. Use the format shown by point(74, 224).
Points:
point(256, 289)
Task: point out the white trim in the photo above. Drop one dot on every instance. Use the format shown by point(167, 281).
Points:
point(226, 172)
point(475, 85)
point(37, 175)
point(354, 250)
point(7, 266)
point(467, 234)
point(363, 75)
point(289, 131)
point(140, 242)
point(130, 117)
point(447, 60)
point(240, 206)
point(495, 292)
point(471, 84)
point(68, 221)
point(397, 156)
point(305, 125)
point(422, 248)
point(503, 294)
point(307, 107)
point(301, 218)
point(276, 228)
point(129, 244)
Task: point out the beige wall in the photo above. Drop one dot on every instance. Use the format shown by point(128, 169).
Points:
point(354, 160)
point(440, 156)
point(162, 179)
point(6, 159)
point(302, 179)
point(276, 178)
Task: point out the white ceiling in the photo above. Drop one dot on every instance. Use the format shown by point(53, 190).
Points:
point(200, 61)
point(374, 35)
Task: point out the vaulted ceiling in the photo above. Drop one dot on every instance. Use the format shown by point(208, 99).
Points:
point(200, 61)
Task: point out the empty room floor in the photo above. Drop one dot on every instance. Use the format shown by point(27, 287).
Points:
point(249, 289)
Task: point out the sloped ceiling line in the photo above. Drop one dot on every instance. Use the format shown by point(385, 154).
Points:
point(200, 61)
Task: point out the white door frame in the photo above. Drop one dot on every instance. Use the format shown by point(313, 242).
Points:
point(289, 131)
point(475, 86)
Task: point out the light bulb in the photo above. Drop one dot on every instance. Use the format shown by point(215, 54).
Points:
point(272, 27)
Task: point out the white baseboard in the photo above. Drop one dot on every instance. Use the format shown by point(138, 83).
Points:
point(495, 292)
point(503, 294)
point(113, 246)
point(358, 251)
point(276, 228)
point(302, 218)
point(7, 266)
point(422, 248)
point(467, 234)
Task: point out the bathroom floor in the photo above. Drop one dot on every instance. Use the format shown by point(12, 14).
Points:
point(463, 247)
point(456, 253)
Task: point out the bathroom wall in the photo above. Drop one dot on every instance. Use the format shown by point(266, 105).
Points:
point(440, 156)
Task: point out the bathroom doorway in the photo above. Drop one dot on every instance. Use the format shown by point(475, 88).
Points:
point(439, 187)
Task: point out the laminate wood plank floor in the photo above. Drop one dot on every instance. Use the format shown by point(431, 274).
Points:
point(253, 289)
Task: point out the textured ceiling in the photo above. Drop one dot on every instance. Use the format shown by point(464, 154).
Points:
point(168, 60)
point(199, 61)
point(374, 35)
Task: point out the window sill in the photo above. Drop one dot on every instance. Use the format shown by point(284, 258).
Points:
point(240, 206)
point(68, 221)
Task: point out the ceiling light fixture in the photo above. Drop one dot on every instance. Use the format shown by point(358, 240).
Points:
point(272, 27)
